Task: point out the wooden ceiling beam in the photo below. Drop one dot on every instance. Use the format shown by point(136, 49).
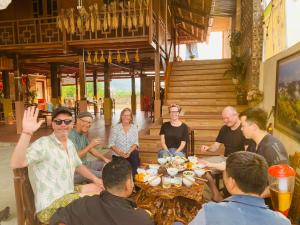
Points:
point(73, 58)
point(181, 19)
point(188, 32)
point(192, 10)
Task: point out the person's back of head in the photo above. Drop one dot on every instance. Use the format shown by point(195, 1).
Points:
point(117, 177)
point(249, 172)
point(257, 116)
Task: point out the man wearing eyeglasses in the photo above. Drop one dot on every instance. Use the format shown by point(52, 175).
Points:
point(52, 161)
point(83, 147)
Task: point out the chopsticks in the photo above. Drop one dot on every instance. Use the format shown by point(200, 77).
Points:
point(152, 179)
point(202, 179)
point(194, 182)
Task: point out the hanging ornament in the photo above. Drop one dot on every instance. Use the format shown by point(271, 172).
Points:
point(126, 60)
point(102, 59)
point(93, 28)
point(96, 57)
point(109, 17)
point(141, 16)
point(134, 16)
point(59, 23)
point(147, 15)
point(89, 59)
point(79, 23)
point(129, 22)
point(123, 17)
point(105, 19)
point(137, 57)
point(119, 59)
point(72, 21)
point(109, 59)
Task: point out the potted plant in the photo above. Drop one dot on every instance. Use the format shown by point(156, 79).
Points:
point(238, 68)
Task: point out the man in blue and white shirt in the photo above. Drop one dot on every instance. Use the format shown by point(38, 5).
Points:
point(245, 178)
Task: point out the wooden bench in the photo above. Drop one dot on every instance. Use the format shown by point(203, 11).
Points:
point(25, 198)
point(294, 212)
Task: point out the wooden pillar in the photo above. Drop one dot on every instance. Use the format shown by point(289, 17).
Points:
point(76, 86)
point(142, 90)
point(82, 101)
point(133, 95)
point(7, 101)
point(107, 105)
point(157, 104)
point(238, 15)
point(19, 104)
point(54, 85)
point(95, 92)
point(157, 101)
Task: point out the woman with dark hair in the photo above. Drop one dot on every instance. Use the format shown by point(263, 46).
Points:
point(174, 135)
point(123, 139)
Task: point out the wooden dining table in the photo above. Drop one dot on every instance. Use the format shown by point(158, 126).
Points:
point(168, 205)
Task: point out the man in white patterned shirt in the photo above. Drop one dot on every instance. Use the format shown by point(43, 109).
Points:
point(52, 161)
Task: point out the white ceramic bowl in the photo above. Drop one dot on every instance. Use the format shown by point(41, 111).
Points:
point(188, 181)
point(172, 171)
point(152, 171)
point(154, 166)
point(162, 161)
point(140, 170)
point(199, 172)
point(193, 159)
point(154, 181)
point(179, 159)
point(198, 166)
point(189, 173)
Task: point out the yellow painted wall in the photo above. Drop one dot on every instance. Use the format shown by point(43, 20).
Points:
point(268, 83)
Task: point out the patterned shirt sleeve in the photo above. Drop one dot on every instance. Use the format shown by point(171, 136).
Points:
point(36, 152)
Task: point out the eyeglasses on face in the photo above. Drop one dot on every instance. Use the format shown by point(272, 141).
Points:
point(59, 122)
point(85, 121)
point(174, 112)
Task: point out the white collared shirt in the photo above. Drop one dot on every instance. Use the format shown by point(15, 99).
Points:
point(51, 169)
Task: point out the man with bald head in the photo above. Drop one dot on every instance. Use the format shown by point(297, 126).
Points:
point(230, 134)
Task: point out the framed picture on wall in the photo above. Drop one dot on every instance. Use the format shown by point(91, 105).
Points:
point(287, 108)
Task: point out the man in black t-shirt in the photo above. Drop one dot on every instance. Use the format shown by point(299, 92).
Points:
point(230, 134)
point(254, 123)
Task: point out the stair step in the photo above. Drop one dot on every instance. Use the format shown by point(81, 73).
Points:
point(202, 62)
point(200, 67)
point(210, 95)
point(200, 102)
point(206, 89)
point(199, 83)
point(213, 76)
point(198, 72)
point(199, 130)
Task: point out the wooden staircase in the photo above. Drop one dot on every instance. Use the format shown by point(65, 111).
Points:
point(202, 90)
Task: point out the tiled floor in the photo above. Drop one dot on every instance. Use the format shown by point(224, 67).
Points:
point(8, 139)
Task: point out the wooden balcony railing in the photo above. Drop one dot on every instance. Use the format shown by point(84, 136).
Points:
point(45, 30)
